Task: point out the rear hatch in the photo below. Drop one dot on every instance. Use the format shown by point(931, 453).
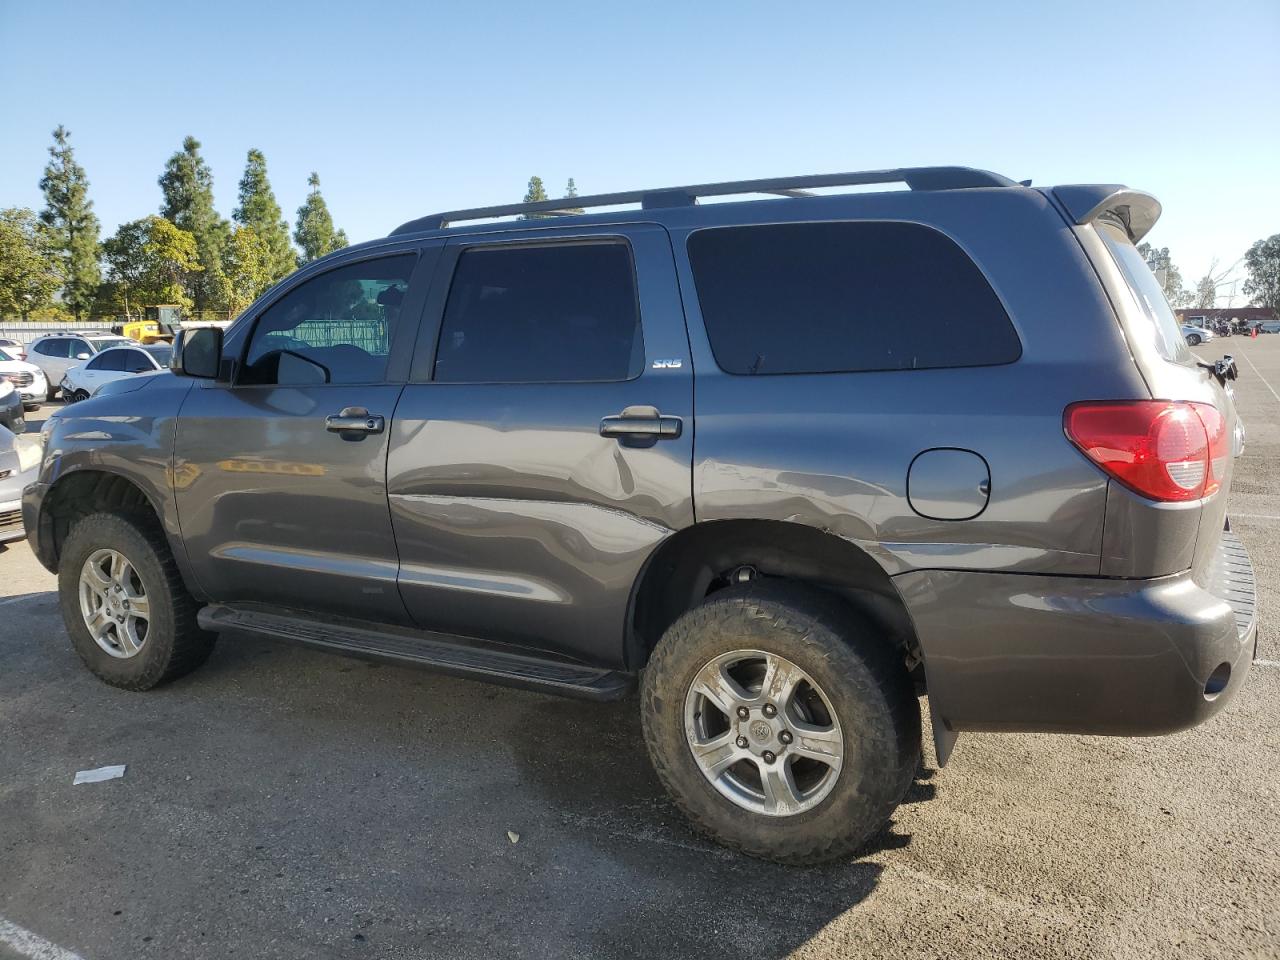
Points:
point(1165, 538)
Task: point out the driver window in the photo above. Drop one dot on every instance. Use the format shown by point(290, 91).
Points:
point(334, 328)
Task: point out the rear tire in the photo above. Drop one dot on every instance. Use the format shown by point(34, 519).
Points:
point(153, 650)
point(860, 697)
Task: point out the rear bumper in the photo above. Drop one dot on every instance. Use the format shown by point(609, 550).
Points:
point(1081, 654)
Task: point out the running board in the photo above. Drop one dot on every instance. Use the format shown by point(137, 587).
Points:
point(435, 651)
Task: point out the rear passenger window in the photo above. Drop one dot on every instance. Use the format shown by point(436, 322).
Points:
point(845, 297)
point(527, 314)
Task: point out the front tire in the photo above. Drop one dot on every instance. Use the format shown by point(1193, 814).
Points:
point(1194, 340)
point(129, 615)
point(781, 723)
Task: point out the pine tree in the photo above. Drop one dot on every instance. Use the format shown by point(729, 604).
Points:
point(187, 183)
point(570, 193)
point(259, 210)
point(314, 232)
point(536, 192)
point(69, 224)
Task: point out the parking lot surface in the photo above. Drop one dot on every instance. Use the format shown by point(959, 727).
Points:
point(282, 802)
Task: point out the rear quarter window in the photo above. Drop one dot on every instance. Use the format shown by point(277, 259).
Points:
point(845, 297)
point(1158, 317)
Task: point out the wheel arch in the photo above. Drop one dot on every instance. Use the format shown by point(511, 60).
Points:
point(698, 560)
point(94, 489)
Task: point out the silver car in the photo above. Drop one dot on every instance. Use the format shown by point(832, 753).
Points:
point(19, 462)
point(1196, 335)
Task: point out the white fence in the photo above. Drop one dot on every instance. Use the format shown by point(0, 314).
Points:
point(24, 333)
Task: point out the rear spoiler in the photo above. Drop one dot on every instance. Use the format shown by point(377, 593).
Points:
point(1086, 202)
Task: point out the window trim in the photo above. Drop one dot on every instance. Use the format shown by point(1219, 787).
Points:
point(443, 286)
point(410, 319)
point(973, 260)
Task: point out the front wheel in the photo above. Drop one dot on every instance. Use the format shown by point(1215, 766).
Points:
point(780, 723)
point(1194, 340)
point(126, 608)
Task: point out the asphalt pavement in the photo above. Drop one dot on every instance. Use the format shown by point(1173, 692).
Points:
point(282, 802)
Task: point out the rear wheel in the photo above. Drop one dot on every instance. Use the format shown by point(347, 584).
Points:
point(129, 615)
point(780, 723)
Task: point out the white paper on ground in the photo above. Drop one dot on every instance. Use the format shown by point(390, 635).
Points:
point(102, 773)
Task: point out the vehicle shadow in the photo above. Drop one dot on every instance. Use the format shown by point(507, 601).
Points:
point(602, 857)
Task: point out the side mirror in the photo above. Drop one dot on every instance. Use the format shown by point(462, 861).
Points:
point(199, 353)
point(82, 356)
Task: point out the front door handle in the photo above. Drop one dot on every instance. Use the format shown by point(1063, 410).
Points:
point(641, 426)
point(354, 423)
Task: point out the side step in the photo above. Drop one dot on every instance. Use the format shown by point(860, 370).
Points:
point(435, 651)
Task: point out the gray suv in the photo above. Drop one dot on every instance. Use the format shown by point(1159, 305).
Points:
point(789, 464)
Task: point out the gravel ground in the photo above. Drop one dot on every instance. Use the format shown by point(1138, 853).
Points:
point(283, 802)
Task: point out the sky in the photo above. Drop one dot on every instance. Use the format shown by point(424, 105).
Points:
point(410, 108)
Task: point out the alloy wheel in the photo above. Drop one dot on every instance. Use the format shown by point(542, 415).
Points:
point(763, 732)
point(114, 603)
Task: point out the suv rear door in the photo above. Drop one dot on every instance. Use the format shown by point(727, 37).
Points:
point(280, 476)
point(543, 446)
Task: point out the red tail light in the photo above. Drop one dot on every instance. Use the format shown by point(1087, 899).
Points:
point(1161, 449)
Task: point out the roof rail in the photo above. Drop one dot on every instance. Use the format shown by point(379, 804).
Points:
point(917, 178)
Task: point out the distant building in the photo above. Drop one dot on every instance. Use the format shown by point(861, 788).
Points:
point(1198, 316)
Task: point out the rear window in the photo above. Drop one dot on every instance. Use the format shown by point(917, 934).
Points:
point(845, 297)
point(1147, 293)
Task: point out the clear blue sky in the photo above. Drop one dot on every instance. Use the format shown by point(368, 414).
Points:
point(405, 108)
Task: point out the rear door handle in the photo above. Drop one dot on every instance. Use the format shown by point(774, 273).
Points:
point(642, 425)
point(354, 422)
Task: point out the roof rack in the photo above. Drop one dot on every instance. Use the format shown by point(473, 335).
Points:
point(917, 178)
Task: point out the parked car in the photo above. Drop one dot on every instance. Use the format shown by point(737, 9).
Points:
point(115, 363)
point(19, 462)
point(1269, 326)
point(475, 447)
point(27, 377)
point(13, 349)
point(1196, 335)
point(57, 353)
point(12, 409)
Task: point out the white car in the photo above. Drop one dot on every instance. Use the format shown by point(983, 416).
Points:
point(115, 363)
point(26, 377)
point(57, 353)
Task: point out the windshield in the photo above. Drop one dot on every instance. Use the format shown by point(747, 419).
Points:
point(161, 353)
point(1147, 293)
point(105, 343)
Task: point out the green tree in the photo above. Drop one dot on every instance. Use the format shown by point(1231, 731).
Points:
point(259, 210)
point(1263, 263)
point(536, 193)
point(314, 232)
point(248, 263)
point(570, 193)
point(1167, 272)
point(70, 226)
point(187, 183)
point(28, 274)
point(152, 261)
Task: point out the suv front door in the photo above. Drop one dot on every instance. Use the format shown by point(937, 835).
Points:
point(280, 476)
point(544, 445)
